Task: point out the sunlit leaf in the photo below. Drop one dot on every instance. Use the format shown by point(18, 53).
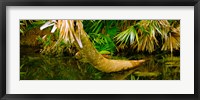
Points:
point(47, 24)
point(53, 29)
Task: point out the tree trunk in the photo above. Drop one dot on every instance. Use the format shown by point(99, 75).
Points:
point(91, 55)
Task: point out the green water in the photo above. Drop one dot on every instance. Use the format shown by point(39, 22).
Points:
point(40, 67)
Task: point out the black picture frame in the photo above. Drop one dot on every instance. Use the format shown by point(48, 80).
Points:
point(4, 3)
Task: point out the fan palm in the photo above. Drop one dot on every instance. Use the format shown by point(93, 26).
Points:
point(143, 35)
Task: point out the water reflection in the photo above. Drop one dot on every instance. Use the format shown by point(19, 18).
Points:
point(40, 67)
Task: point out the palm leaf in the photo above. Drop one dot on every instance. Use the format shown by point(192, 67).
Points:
point(67, 31)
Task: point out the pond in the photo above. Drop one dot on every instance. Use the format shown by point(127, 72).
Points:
point(41, 67)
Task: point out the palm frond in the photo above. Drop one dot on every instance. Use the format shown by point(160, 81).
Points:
point(68, 32)
point(129, 34)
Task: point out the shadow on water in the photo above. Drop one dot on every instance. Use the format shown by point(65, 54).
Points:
point(40, 67)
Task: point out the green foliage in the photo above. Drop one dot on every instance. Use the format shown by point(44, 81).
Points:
point(107, 37)
point(127, 37)
point(141, 35)
point(113, 35)
point(102, 42)
point(102, 33)
point(104, 52)
point(26, 25)
point(150, 35)
point(52, 47)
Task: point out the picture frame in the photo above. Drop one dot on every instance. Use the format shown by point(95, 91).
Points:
point(5, 3)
